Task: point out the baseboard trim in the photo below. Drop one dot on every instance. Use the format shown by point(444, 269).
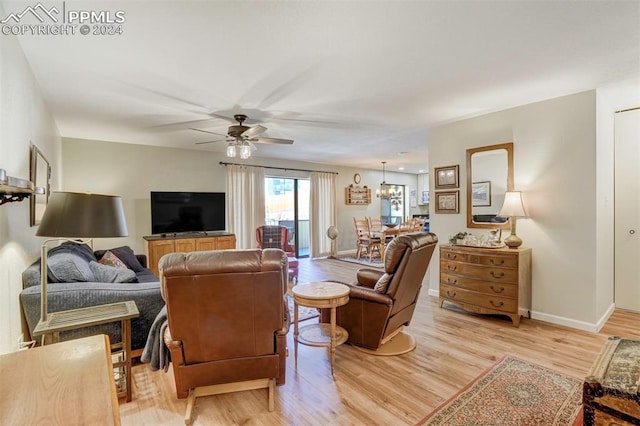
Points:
point(558, 320)
point(569, 322)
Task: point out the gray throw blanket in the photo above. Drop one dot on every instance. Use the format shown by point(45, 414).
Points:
point(155, 351)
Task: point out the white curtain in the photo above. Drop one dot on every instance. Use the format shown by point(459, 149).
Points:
point(323, 212)
point(245, 201)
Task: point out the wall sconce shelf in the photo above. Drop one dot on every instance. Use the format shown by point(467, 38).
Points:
point(15, 189)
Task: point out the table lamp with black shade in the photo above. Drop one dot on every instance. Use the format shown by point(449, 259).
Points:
point(73, 216)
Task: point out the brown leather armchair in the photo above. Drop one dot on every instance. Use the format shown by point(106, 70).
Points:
point(381, 303)
point(228, 320)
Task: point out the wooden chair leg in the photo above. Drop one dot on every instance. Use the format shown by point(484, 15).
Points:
point(191, 400)
point(272, 390)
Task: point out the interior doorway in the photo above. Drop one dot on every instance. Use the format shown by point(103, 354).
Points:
point(287, 203)
point(627, 210)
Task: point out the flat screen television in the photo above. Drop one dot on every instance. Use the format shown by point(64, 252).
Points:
point(181, 212)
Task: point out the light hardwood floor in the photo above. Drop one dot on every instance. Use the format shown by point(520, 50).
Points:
point(453, 348)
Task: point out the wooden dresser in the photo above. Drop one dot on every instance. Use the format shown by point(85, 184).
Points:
point(157, 246)
point(487, 281)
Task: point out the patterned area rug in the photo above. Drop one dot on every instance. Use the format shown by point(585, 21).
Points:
point(375, 263)
point(512, 392)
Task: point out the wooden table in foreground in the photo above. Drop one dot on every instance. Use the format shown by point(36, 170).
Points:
point(73, 319)
point(319, 295)
point(69, 383)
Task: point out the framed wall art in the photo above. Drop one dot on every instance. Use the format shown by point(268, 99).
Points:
point(447, 177)
point(447, 202)
point(481, 194)
point(40, 176)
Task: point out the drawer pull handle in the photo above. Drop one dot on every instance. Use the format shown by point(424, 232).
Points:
point(452, 267)
point(494, 274)
point(494, 262)
point(450, 281)
point(451, 256)
point(496, 305)
point(497, 291)
point(451, 293)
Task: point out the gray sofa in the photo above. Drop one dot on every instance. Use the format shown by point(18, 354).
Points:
point(77, 279)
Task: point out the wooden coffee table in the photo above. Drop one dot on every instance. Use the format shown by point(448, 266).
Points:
point(319, 295)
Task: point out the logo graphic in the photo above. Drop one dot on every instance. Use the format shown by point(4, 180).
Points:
point(33, 11)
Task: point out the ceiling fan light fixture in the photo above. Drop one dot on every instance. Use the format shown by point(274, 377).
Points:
point(231, 150)
point(245, 151)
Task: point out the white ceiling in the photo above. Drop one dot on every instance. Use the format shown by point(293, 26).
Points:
point(353, 83)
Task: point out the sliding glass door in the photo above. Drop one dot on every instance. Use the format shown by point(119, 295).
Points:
point(287, 204)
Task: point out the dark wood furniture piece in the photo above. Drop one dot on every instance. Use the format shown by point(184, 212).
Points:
point(62, 384)
point(73, 319)
point(487, 281)
point(157, 245)
point(610, 393)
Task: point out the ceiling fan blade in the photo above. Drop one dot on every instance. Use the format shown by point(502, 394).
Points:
point(253, 147)
point(206, 131)
point(219, 140)
point(273, 140)
point(254, 131)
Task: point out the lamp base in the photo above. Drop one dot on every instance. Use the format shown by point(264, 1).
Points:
point(513, 241)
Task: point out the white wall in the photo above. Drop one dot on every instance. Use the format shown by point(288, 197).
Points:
point(132, 171)
point(555, 167)
point(24, 119)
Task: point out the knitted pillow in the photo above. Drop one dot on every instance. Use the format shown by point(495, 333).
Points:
point(111, 274)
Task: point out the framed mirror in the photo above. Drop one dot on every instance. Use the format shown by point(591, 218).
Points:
point(40, 176)
point(489, 176)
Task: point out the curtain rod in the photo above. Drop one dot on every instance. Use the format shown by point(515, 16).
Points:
point(276, 168)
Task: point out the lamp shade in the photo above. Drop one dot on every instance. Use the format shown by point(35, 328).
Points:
point(512, 206)
point(80, 215)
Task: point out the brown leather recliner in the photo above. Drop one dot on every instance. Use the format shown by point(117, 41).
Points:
point(228, 320)
point(381, 303)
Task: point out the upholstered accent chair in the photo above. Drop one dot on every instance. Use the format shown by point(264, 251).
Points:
point(277, 236)
point(228, 321)
point(382, 302)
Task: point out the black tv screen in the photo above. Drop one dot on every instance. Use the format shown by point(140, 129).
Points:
point(173, 212)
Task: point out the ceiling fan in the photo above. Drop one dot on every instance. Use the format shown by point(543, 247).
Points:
point(241, 138)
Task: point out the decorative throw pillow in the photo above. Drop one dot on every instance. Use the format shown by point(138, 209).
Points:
point(110, 259)
point(126, 254)
point(383, 282)
point(112, 274)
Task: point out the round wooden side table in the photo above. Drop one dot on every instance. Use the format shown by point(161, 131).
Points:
point(319, 295)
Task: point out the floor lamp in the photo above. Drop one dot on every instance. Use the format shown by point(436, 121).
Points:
point(72, 216)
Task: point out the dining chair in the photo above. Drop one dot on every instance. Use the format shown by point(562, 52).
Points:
point(366, 242)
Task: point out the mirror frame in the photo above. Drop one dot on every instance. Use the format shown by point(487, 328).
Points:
point(37, 159)
point(509, 148)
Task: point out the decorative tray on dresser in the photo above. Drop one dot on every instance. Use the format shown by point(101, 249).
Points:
point(487, 280)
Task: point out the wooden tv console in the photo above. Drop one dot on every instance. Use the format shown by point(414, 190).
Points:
point(159, 245)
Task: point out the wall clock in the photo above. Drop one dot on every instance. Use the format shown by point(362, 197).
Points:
point(356, 178)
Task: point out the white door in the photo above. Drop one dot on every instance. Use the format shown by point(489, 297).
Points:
point(627, 210)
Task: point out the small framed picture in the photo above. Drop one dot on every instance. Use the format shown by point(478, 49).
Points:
point(481, 194)
point(447, 177)
point(447, 202)
point(425, 197)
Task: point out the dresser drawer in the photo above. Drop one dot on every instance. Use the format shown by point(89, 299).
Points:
point(497, 303)
point(487, 288)
point(452, 255)
point(501, 259)
point(480, 272)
